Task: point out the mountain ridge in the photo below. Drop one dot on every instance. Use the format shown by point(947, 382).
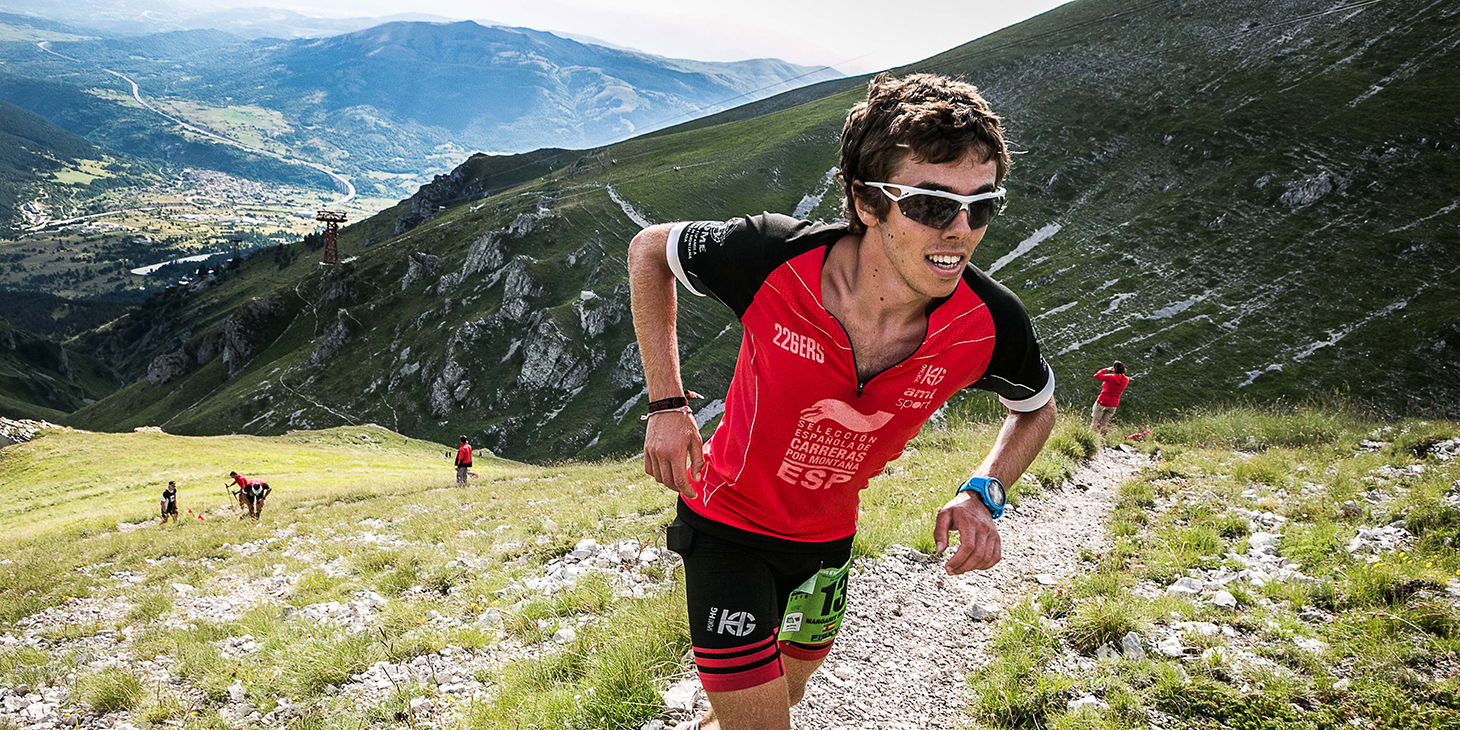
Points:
point(1169, 209)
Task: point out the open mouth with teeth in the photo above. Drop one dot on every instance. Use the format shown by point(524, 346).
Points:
point(946, 263)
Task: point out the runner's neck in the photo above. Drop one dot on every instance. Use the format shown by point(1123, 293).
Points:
point(861, 289)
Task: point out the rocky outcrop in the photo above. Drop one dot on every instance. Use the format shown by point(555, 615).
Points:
point(550, 361)
point(334, 338)
point(451, 387)
point(168, 366)
point(596, 314)
point(455, 186)
point(485, 254)
point(518, 287)
point(1310, 190)
point(250, 328)
point(422, 265)
point(630, 369)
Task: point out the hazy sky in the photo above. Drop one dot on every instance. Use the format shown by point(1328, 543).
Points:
point(855, 36)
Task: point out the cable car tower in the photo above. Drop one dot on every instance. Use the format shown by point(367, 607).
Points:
point(332, 220)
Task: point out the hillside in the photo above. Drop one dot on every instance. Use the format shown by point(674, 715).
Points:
point(1232, 226)
point(1245, 568)
point(43, 164)
point(42, 379)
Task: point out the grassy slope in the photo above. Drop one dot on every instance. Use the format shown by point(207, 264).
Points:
point(1386, 627)
point(68, 491)
point(518, 517)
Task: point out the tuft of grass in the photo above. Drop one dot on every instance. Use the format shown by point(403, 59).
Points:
point(1074, 441)
point(1014, 693)
point(149, 606)
point(1102, 619)
point(109, 690)
point(1418, 439)
point(313, 665)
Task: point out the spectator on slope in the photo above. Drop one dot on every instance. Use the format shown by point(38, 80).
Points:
point(1112, 383)
point(463, 462)
point(251, 494)
point(854, 334)
point(169, 503)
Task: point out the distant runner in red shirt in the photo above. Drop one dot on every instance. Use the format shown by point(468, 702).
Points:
point(1112, 384)
point(463, 462)
point(854, 334)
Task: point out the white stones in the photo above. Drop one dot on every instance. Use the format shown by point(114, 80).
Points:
point(1310, 645)
point(236, 692)
point(1184, 588)
point(1046, 579)
point(564, 635)
point(1106, 652)
point(1088, 702)
point(182, 589)
point(1342, 684)
point(983, 612)
point(355, 616)
point(1133, 647)
point(1224, 600)
point(682, 695)
point(1375, 540)
point(845, 671)
point(1198, 628)
point(489, 617)
point(1171, 647)
point(421, 705)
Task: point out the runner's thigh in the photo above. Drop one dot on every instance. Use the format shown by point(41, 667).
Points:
point(733, 614)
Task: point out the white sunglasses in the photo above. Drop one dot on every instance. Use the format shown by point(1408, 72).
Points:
point(937, 208)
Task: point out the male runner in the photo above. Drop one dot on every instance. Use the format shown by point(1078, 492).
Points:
point(169, 503)
point(854, 334)
point(251, 493)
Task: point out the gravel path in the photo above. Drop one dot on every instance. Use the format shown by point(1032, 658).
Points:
point(908, 643)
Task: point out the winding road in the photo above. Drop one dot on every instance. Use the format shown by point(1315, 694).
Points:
point(343, 183)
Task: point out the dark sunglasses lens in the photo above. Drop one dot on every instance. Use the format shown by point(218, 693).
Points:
point(983, 211)
point(929, 210)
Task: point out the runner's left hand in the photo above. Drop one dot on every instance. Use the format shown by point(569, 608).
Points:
point(979, 547)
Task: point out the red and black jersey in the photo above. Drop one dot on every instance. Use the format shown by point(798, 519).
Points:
point(802, 434)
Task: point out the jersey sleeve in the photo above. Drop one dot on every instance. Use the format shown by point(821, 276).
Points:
point(1016, 372)
point(730, 260)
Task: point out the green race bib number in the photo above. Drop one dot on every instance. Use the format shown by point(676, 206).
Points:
point(813, 614)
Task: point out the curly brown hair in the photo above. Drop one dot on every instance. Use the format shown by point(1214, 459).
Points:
point(933, 118)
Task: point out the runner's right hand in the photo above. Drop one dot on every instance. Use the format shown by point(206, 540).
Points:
point(669, 440)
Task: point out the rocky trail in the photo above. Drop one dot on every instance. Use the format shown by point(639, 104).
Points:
point(911, 636)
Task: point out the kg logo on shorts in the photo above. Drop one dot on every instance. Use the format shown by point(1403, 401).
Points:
point(738, 623)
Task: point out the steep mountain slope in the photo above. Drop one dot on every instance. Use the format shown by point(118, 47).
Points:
point(41, 379)
point(1242, 200)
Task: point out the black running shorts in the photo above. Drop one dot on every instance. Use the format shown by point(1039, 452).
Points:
point(737, 593)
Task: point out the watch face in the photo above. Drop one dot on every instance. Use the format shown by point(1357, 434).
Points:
point(995, 491)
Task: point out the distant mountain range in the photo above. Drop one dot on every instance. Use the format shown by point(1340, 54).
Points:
point(1243, 200)
point(398, 99)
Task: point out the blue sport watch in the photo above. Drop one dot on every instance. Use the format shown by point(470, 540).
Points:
point(990, 490)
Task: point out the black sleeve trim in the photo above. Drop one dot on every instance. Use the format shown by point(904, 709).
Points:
point(730, 260)
point(1016, 371)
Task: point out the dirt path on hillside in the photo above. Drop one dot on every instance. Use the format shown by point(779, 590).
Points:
point(908, 643)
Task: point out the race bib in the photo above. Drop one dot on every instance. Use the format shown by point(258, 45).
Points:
point(813, 614)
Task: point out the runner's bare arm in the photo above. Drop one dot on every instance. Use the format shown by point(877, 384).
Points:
point(672, 438)
point(1018, 443)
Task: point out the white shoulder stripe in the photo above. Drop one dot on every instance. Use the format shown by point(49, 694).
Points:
point(1036, 401)
point(671, 252)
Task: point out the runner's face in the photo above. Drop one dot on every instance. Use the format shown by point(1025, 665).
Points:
point(913, 247)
